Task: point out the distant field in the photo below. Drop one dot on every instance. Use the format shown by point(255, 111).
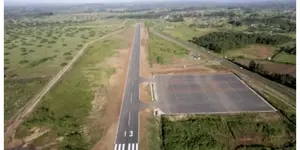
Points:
point(64, 110)
point(162, 51)
point(29, 51)
point(184, 32)
point(251, 52)
point(285, 58)
point(104, 22)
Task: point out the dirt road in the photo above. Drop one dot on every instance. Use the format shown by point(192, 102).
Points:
point(23, 112)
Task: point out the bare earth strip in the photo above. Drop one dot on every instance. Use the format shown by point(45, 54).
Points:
point(23, 112)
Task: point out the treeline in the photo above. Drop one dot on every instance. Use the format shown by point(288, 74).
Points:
point(219, 41)
point(289, 49)
point(285, 79)
point(284, 24)
point(176, 18)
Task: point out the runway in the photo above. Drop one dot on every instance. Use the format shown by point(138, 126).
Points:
point(127, 132)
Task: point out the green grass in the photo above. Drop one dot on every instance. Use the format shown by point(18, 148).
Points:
point(285, 58)
point(162, 51)
point(184, 32)
point(154, 133)
point(18, 92)
point(214, 132)
point(66, 107)
point(35, 52)
point(36, 44)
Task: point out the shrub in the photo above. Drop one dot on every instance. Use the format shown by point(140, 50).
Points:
point(6, 53)
point(24, 61)
point(63, 64)
point(67, 53)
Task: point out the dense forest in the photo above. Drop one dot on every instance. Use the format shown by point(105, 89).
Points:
point(219, 41)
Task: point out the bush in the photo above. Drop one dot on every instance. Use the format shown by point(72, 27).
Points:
point(24, 61)
point(63, 64)
point(6, 53)
point(67, 53)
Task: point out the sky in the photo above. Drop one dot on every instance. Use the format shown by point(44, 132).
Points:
point(110, 1)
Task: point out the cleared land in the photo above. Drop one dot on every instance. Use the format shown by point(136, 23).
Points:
point(74, 111)
point(271, 66)
point(251, 52)
point(205, 94)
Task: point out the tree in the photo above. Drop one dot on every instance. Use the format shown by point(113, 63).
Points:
point(252, 65)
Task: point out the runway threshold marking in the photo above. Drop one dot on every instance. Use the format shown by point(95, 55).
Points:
point(130, 146)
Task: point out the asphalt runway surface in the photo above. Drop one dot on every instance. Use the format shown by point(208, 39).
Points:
point(127, 132)
point(206, 94)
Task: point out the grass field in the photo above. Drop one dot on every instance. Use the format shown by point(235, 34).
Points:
point(65, 108)
point(184, 32)
point(162, 51)
point(17, 92)
point(37, 48)
point(251, 52)
point(285, 58)
point(39, 53)
point(242, 131)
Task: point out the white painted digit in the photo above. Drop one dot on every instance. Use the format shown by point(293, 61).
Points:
point(125, 133)
point(131, 134)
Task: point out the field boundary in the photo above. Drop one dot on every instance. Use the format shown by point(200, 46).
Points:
point(23, 112)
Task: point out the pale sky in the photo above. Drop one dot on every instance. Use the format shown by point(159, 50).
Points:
point(117, 1)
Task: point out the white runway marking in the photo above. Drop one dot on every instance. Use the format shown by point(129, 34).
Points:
point(129, 118)
point(131, 146)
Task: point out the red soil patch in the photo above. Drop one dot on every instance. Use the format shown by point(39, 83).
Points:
point(271, 66)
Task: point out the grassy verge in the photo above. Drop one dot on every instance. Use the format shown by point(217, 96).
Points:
point(285, 58)
point(162, 51)
point(66, 107)
point(154, 133)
